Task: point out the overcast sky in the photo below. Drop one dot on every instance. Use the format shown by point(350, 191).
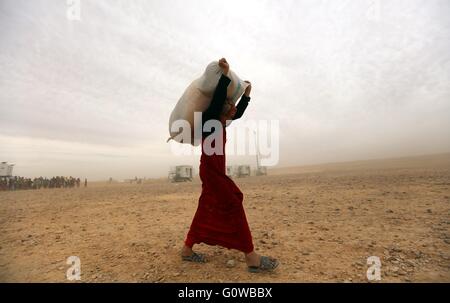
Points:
point(348, 80)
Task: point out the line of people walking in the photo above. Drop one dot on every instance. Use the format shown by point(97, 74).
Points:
point(18, 183)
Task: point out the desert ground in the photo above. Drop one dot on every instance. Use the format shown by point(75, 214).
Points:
point(322, 222)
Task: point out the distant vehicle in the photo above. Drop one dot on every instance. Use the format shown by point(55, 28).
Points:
point(230, 172)
point(261, 171)
point(6, 169)
point(180, 173)
point(131, 181)
point(242, 171)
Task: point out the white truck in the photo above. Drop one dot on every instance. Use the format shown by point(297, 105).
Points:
point(180, 173)
point(230, 171)
point(242, 171)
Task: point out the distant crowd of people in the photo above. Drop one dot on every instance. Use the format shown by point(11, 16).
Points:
point(16, 182)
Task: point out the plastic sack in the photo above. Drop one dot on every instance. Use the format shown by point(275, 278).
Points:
point(197, 97)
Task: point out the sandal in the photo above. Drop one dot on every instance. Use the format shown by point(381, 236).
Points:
point(195, 257)
point(266, 264)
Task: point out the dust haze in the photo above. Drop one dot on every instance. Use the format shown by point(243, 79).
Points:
point(348, 80)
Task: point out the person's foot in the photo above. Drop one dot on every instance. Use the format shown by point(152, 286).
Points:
point(187, 254)
point(186, 251)
point(266, 264)
point(252, 259)
point(257, 263)
point(224, 66)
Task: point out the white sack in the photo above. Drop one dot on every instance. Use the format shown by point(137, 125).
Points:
point(197, 97)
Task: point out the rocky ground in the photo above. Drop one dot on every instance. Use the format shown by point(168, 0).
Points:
point(321, 222)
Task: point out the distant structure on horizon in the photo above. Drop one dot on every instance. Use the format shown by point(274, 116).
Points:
point(260, 170)
point(131, 181)
point(242, 171)
point(6, 169)
point(230, 171)
point(180, 173)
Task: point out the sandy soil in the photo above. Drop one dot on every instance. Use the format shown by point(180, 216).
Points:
point(322, 222)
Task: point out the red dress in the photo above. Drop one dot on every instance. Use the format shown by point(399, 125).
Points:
point(220, 218)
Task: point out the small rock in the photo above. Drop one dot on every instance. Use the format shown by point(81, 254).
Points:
point(231, 263)
point(410, 263)
point(395, 249)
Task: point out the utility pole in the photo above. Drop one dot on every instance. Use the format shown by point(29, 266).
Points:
point(257, 151)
